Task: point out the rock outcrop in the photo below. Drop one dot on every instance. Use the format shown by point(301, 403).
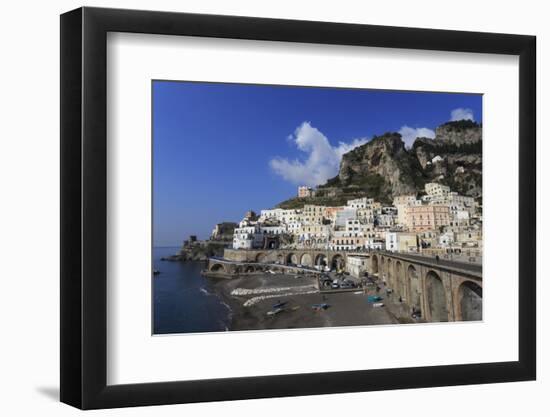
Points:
point(383, 168)
point(384, 159)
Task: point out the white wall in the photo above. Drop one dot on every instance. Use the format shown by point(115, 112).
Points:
point(29, 210)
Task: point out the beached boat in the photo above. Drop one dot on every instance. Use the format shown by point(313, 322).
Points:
point(274, 312)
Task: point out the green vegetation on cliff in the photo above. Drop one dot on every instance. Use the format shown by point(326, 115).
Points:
point(462, 124)
point(298, 203)
point(450, 148)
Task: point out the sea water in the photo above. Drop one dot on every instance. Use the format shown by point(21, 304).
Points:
point(182, 300)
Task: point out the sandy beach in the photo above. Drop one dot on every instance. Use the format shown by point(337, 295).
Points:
point(251, 297)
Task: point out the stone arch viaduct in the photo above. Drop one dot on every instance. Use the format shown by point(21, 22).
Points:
point(283, 257)
point(443, 291)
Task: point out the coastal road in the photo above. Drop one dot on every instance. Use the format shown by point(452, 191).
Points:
point(466, 266)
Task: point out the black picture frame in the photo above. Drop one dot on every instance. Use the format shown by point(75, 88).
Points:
point(84, 207)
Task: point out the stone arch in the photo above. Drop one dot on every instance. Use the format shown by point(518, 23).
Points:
point(436, 298)
point(217, 268)
point(337, 262)
point(260, 257)
point(249, 269)
point(321, 260)
point(374, 264)
point(401, 285)
point(415, 296)
point(292, 259)
point(470, 301)
point(390, 278)
point(306, 260)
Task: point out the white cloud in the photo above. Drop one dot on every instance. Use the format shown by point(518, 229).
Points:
point(323, 160)
point(409, 134)
point(462, 114)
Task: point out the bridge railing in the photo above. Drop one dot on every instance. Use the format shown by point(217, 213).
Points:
point(473, 257)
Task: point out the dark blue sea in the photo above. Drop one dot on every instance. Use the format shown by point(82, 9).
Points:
point(183, 301)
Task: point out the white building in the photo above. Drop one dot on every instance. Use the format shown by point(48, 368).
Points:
point(385, 220)
point(356, 265)
point(279, 214)
point(272, 230)
point(247, 237)
point(342, 216)
point(360, 203)
point(374, 244)
point(435, 189)
point(366, 215)
point(446, 239)
point(294, 228)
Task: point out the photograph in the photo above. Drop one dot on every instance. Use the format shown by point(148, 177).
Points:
point(258, 208)
point(297, 207)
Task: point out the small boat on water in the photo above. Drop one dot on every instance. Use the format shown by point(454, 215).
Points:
point(156, 272)
point(319, 307)
point(279, 304)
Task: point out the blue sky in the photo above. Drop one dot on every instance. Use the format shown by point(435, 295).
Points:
point(222, 149)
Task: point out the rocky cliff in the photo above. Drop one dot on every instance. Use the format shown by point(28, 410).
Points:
point(454, 157)
point(383, 168)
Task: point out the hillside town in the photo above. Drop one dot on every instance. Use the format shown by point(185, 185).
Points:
point(381, 228)
point(439, 222)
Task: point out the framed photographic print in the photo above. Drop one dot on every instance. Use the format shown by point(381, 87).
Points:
point(258, 208)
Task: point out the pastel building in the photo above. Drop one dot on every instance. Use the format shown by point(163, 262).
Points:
point(305, 191)
point(312, 214)
point(427, 217)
